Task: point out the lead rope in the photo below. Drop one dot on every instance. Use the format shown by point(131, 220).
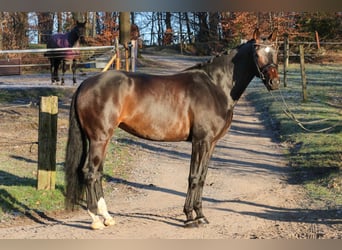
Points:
point(289, 114)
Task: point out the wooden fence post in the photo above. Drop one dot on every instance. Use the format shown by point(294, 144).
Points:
point(286, 57)
point(47, 143)
point(134, 54)
point(127, 59)
point(118, 56)
point(317, 41)
point(302, 69)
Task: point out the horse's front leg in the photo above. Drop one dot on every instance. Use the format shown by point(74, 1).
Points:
point(73, 68)
point(55, 69)
point(201, 151)
point(52, 70)
point(200, 218)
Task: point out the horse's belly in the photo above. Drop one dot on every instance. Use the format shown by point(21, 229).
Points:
point(157, 130)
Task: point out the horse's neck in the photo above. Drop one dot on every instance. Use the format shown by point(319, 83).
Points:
point(72, 38)
point(243, 73)
point(232, 73)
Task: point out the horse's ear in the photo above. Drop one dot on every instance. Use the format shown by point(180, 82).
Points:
point(256, 34)
point(273, 36)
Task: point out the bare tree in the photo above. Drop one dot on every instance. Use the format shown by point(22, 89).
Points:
point(203, 34)
point(214, 20)
point(188, 29)
point(20, 26)
point(45, 26)
point(124, 27)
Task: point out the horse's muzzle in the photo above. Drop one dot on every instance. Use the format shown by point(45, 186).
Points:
point(273, 84)
point(271, 77)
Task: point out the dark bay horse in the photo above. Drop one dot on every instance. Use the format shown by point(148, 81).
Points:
point(195, 105)
point(56, 57)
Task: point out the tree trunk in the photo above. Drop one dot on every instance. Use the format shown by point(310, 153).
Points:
point(133, 17)
point(152, 29)
point(187, 21)
point(1, 31)
point(160, 28)
point(45, 26)
point(124, 27)
point(168, 35)
point(59, 22)
point(213, 25)
point(93, 25)
point(168, 20)
point(20, 26)
point(203, 33)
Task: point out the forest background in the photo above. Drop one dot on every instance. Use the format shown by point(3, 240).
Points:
point(19, 30)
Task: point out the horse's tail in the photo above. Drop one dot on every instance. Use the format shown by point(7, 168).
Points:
point(76, 153)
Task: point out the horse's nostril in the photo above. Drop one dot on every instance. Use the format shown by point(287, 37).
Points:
point(274, 83)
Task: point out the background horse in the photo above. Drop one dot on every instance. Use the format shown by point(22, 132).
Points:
point(195, 105)
point(67, 40)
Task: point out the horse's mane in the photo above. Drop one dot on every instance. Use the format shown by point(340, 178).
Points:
point(214, 58)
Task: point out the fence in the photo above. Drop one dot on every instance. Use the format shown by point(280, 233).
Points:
point(317, 51)
point(13, 61)
point(93, 56)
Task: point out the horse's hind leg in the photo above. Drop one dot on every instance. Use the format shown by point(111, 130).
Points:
point(52, 70)
point(56, 63)
point(63, 70)
point(73, 68)
point(93, 175)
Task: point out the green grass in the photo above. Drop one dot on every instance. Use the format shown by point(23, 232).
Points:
point(316, 158)
point(27, 94)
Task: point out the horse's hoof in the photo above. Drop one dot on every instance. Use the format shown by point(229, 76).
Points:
point(109, 222)
point(191, 224)
point(202, 221)
point(97, 225)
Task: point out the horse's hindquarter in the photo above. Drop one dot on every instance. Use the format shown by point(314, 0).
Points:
point(57, 41)
point(163, 108)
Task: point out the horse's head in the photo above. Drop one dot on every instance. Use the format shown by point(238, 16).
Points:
point(266, 59)
point(80, 30)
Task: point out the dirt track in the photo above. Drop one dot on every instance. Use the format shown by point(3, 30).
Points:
point(248, 192)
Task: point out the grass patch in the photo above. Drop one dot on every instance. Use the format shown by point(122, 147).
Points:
point(18, 193)
point(315, 157)
point(25, 95)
